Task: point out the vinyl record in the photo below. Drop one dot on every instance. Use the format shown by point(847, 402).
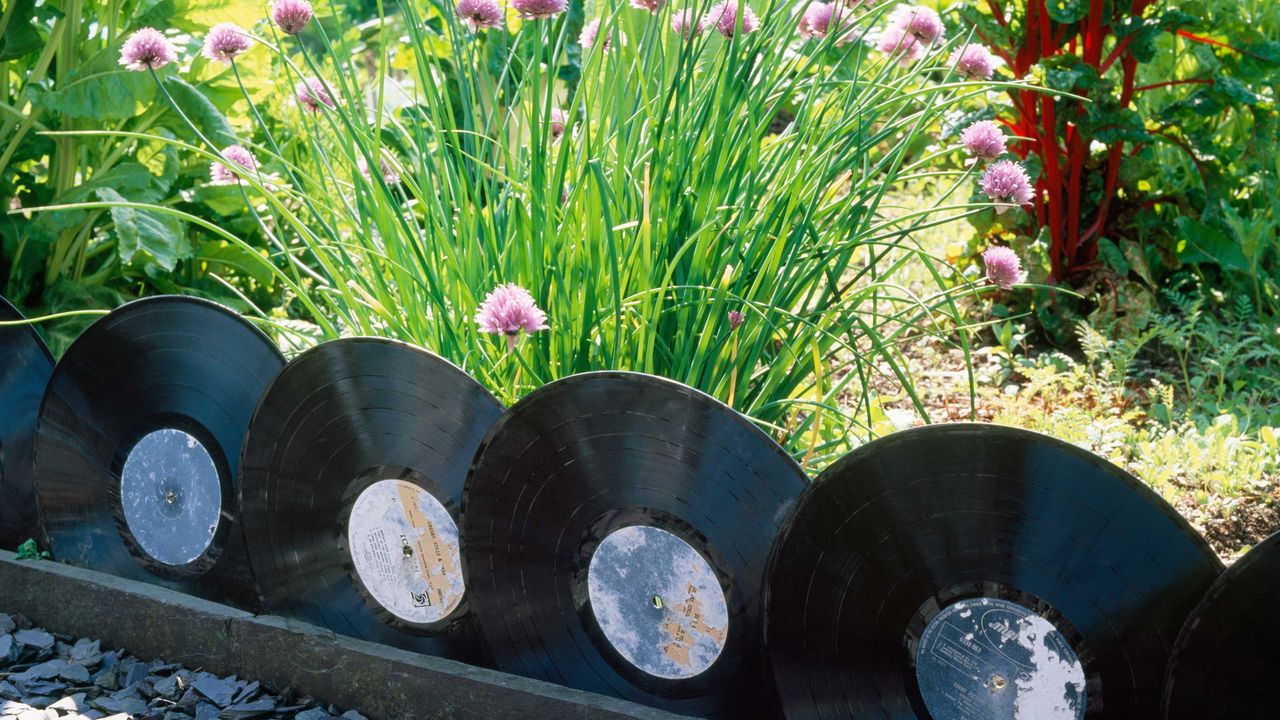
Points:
point(977, 572)
point(351, 483)
point(25, 366)
point(617, 527)
point(1227, 658)
point(139, 444)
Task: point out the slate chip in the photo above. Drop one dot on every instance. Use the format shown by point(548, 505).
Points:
point(35, 638)
point(36, 668)
point(74, 674)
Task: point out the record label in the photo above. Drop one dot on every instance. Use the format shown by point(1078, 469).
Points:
point(658, 602)
point(171, 496)
point(404, 546)
point(988, 658)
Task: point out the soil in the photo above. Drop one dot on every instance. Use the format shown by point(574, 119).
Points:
point(1230, 523)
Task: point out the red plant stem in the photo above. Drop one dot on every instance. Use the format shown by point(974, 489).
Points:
point(1093, 35)
point(1046, 30)
point(1120, 49)
point(997, 12)
point(1218, 43)
point(1153, 86)
point(1115, 155)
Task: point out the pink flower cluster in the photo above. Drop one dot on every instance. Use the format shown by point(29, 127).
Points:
point(591, 32)
point(974, 62)
point(823, 19)
point(507, 310)
point(1007, 184)
point(245, 162)
point(147, 49)
point(910, 33)
point(983, 140)
point(224, 42)
point(559, 119)
point(291, 16)
point(723, 16)
point(312, 94)
point(1003, 266)
point(539, 9)
point(389, 173)
point(479, 14)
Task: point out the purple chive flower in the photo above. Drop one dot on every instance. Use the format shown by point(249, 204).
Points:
point(224, 42)
point(389, 172)
point(587, 37)
point(922, 23)
point(221, 174)
point(983, 140)
point(538, 9)
point(821, 19)
point(479, 14)
point(1003, 266)
point(1007, 183)
point(735, 319)
point(723, 16)
point(311, 94)
point(147, 49)
point(507, 310)
point(291, 16)
point(652, 6)
point(898, 43)
point(974, 62)
point(684, 24)
point(559, 119)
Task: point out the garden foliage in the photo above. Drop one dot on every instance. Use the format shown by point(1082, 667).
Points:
point(706, 201)
point(1162, 156)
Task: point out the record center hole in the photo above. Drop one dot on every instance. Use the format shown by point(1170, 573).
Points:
point(407, 550)
point(656, 601)
point(997, 682)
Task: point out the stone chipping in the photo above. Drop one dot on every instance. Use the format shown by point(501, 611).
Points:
point(45, 676)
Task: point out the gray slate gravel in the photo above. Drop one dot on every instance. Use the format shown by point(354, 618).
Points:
point(44, 676)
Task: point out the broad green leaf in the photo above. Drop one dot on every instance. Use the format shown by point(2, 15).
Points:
point(200, 111)
point(1113, 256)
point(1067, 11)
point(1203, 243)
point(20, 36)
point(100, 89)
point(220, 254)
point(155, 236)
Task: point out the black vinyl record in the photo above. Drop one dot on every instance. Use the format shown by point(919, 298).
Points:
point(351, 483)
point(978, 572)
point(138, 445)
point(25, 366)
point(1227, 658)
point(617, 527)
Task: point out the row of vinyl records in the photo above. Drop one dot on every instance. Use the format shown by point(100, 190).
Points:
point(624, 534)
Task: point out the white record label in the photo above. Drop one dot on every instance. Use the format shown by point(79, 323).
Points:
point(404, 545)
point(991, 659)
point(171, 496)
point(658, 602)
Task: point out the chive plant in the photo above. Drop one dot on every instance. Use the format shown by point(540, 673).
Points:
point(699, 192)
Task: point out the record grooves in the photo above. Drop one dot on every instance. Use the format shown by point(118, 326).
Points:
point(25, 367)
point(617, 527)
point(966, 572)
point(137, 448)
point(352, 476)
point(1227, 656)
